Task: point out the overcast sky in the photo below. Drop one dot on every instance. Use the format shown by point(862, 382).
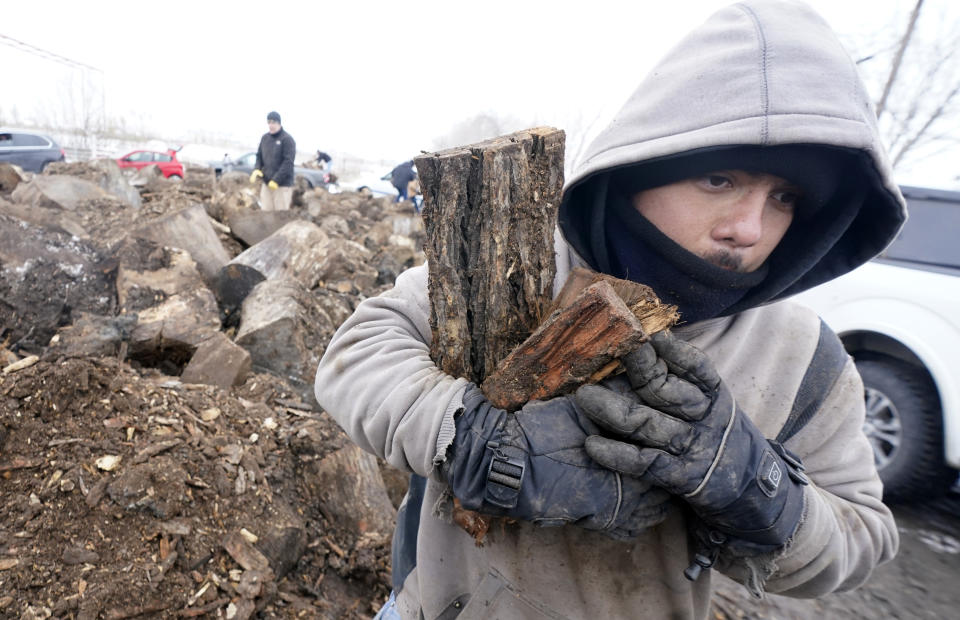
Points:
point(376, 79)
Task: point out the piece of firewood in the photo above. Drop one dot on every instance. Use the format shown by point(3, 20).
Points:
point(654, 315)
point(490, 211)
point(188, 229)
point(297, 250)
point(567, 350)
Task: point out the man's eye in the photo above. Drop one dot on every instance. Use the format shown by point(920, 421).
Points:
point(716, 180)
point(786, 198)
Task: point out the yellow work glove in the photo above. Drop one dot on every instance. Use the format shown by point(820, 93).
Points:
point(256, 174)
point(272, 185)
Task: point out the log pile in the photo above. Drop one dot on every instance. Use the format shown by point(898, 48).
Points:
point(160, 450)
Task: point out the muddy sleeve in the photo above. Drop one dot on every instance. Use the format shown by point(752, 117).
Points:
point(376, 379)
point(846, 530)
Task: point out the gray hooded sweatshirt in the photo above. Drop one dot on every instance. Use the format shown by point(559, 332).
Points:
point(756, 73)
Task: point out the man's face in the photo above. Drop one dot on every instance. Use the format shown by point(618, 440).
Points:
point(730, 218)
point(273, 126)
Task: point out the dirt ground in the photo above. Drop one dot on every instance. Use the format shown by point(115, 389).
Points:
point(150, 536)
point(921, 582)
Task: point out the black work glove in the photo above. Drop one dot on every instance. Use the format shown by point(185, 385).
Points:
point(686, 435)
point(531, 465)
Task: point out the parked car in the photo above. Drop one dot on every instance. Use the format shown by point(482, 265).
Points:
point(166, 161)
point(382, 186)
point(246, 162)
point(899, 317)
point(29, 150)
point(378, 186)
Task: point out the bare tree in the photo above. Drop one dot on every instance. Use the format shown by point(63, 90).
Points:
point(919, 103)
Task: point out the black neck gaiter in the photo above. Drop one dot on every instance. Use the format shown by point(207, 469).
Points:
point(626, 245)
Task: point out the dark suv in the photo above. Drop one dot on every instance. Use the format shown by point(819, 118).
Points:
point(31, 151)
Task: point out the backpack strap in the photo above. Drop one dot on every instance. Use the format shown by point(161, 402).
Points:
point(828, 362)
point(403, 550)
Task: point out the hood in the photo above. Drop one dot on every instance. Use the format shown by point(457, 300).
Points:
point(760, 74)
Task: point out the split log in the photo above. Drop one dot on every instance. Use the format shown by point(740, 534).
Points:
point(54, 220)
point(352, 492)
point(148, 273)
point(297, 250)
point(218, 361)
point(189, 229)
point(252, 227)
point(10, 177)
point(490, 210)
point(575, 345)
point(173, 329)
point(56, 191)
point(283, 326)
point(92, 335)
point(103, 172)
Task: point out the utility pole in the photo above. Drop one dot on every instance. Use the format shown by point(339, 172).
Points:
point(84, 71)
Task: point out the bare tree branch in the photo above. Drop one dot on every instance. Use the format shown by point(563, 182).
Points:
point(934, 116)
point(895, 68)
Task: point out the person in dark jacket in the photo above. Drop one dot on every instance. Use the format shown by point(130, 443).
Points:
point(275, 166)
point(400, 178)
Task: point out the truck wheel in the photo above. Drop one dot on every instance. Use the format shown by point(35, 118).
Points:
point(904, 424)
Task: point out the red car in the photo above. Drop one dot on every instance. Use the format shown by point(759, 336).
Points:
point(167, 162)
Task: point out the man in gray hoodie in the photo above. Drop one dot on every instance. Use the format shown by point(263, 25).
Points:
point(745, 168)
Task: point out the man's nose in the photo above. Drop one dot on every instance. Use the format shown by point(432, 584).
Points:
point(742, 222)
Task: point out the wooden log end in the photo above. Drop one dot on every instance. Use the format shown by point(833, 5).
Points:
point(567, 349)
point(234, 282)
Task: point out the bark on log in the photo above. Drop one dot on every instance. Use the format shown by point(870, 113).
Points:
point(297, 250)
point(352, 491)
point(567, 350)
point(490, 211)
point(283, 326)
point(56, 191)
point(252, 226)
point(148, 273)
point(190, 230)
point(10, 177)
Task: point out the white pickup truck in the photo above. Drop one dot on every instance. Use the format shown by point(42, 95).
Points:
point(899, 317)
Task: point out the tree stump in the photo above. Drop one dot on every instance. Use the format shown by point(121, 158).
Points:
point(490, 211)
point(297, 250)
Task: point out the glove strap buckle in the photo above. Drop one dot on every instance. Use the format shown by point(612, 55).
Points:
point(795, 468)
point(504, 478)
point(706, 556)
